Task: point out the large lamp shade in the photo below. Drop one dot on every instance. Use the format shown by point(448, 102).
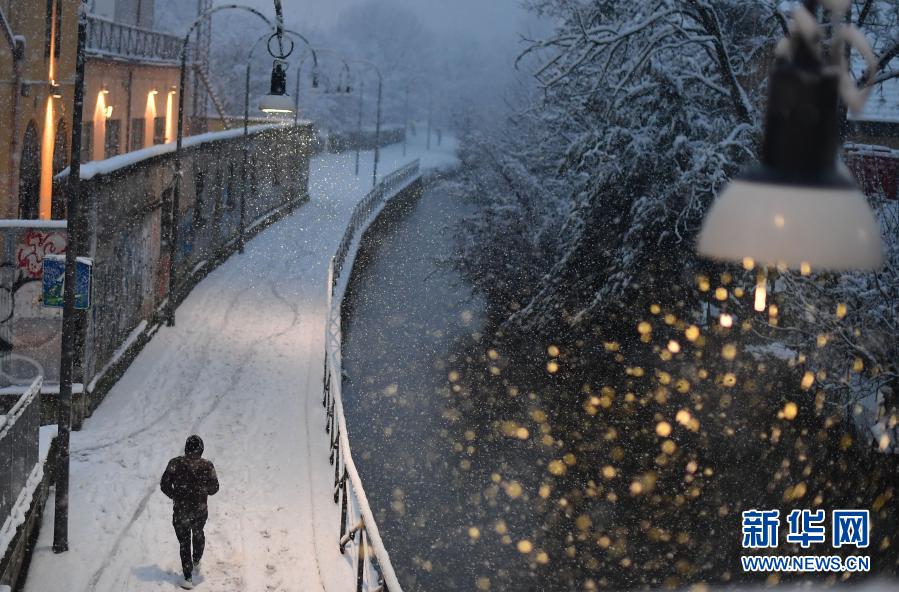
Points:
point(799, 207)
point(793, 225)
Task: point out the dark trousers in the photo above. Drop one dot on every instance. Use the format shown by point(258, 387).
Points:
point(188, 523)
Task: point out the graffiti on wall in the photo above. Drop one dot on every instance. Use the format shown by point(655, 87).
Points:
point(29, 332)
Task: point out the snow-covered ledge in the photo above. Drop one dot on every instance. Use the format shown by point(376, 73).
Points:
point(107, 166)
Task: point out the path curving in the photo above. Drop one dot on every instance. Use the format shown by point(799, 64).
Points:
point(242, 368)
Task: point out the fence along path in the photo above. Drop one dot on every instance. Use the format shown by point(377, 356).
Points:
point(357, 522)
point(243, 368)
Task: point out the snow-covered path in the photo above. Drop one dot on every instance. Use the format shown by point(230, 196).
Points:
point(242, 368)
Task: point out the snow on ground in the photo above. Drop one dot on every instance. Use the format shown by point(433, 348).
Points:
point(242, 368)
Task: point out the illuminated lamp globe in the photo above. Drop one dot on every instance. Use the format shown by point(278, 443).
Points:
point(799, 207)
point(277, 100)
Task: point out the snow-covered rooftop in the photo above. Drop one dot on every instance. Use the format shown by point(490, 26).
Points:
point(883, 103)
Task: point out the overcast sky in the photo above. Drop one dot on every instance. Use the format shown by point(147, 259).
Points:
point(486, 19)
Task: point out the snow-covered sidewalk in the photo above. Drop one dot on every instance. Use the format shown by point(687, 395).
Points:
point(243, 369)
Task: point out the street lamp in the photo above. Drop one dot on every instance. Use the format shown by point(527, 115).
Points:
point(418, 78)
point(268, 105)
point(798, 208)
point(373, 66)
point(176, 194)
point(315, 84)
point(277, 100)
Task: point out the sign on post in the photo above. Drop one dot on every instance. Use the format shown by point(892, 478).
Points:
point(54, 274)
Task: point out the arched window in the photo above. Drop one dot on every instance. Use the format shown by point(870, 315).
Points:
point(60, 161)
point(30, 175)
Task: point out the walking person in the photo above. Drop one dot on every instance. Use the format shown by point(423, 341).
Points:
point(187, 481)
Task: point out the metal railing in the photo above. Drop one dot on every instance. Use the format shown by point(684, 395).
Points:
point(19, 447)
point(374, 572)
point(110, 39)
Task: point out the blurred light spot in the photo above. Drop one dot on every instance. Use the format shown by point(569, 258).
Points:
point(513, 489)
point(790, 411)
point(808, 379)
point(760, 293)
point(729, 352)
point(557, 467)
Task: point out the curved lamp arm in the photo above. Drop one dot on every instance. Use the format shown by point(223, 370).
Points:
point(211, 12)
point(176, 194)
point(317, 50)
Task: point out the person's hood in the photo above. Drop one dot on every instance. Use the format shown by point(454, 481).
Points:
point(194, 446)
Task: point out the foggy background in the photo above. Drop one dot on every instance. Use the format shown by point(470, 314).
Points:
point(454, 59)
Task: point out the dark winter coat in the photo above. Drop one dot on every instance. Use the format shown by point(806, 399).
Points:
point(188, 480)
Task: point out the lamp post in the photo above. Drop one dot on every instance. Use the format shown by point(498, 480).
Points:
point(417, 78)
point(241, 240)
point(406, 121)
point(314, 55)
point(798, 208)
point(176, 194)
point(312, 52)
point(373, 66)
point(75, 226)
point(359, 122)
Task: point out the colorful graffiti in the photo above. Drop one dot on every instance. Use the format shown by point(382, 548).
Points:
point(35, 246)
point(29, 333)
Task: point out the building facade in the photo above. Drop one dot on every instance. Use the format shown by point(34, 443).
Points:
point(37, 64)
point(130, 101)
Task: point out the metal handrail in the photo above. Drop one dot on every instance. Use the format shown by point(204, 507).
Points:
point(19, 448)
point(117, 40)
point(357, 523)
